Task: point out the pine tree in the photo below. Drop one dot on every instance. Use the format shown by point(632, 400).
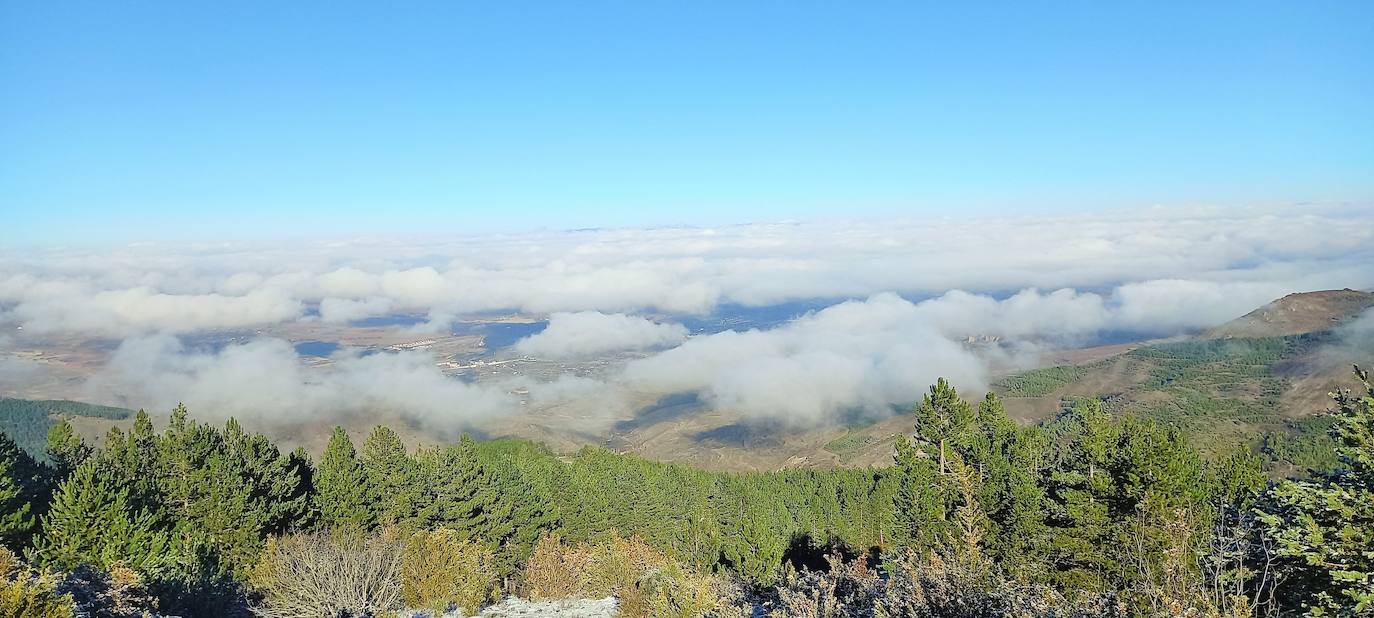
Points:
point(394, 475)
point(1080, 493)
point(90, 522)
point(1324, 527)
point(920, 510)
point(66, 449)
point(942, 416)
point(1008, 462)
point(926, 494)
point(755, 528)
point(130, 458)
point(584, 499)
point(277, 485)
point(16, 509)
point(342, 492)
point(460, 495)
point(519, 516)
point(1116, 498)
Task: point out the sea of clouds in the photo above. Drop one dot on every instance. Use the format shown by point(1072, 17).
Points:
point(906, 294)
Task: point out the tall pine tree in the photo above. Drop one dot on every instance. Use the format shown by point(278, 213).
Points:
point(394, 475)
point(342, 492)
point(460, 495)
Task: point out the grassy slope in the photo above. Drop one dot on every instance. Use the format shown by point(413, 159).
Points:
point(27, 421)
point(1222, 392)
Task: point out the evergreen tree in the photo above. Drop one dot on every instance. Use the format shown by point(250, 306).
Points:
point(90, 522)
point(16, 508)
point(1115, 497)
point(1080, 491)
point(277, 485)
point(755, 528)
point(460, 495)
point(919, 503)
point(130, 459)
point(394, 475)
point(66, 450)
point(942, 416)
point(342, 492)
point(519, 516)
point(1324, 527)
point(1008, 462)
point(584, 500)
point(926, 494)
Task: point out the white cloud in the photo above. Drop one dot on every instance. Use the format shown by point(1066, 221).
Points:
point(1033, 281)
point(263, 380)
point(855, 357)
point(693, 270)
point(341, 310)
point(592, 333)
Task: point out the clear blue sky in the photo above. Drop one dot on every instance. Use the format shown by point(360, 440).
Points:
point(143, 120)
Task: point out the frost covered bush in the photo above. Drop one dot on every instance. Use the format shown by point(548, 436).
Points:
point(846, 590)
point(440, 571)
point(116, 593)
point(26, 594)
point(645, 581)
point(932, 587)
point(336, 573)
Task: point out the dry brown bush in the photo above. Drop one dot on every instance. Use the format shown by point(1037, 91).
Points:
point(557, 571)
point(645, 581)
point(336, 573)
point(441, 571)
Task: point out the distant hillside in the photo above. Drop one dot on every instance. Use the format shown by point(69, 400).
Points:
point(27, 421)
point(1263, 391)
point(1296, 314)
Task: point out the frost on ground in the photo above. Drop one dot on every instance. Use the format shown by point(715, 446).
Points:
point(520, 608)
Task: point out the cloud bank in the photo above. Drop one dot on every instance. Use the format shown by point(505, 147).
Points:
point(856, 357)
point(906, 295)
point(588, 334)
point(1199, 254)
point(264, 381)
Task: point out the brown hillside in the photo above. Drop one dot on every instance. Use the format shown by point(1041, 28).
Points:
point(1295, 314)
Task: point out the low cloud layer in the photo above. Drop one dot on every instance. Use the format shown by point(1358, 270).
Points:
point(588, 334)
point(860, 358)
point(264, 381)
point(917, 290)
point(857, 358)
point(149, 289)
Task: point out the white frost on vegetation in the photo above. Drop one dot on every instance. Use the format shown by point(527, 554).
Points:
point(514, 607)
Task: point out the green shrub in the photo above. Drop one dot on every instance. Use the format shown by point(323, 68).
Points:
point(441, 571)
point(25, 594)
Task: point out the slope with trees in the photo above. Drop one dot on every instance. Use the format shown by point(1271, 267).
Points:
point(1089, 514)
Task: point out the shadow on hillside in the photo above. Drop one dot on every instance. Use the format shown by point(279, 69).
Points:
point(668, 407)
point(742, 435)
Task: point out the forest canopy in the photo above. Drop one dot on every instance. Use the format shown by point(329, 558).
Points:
point(1087, 514)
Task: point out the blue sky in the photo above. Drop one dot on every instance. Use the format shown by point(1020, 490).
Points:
point(130, 121)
